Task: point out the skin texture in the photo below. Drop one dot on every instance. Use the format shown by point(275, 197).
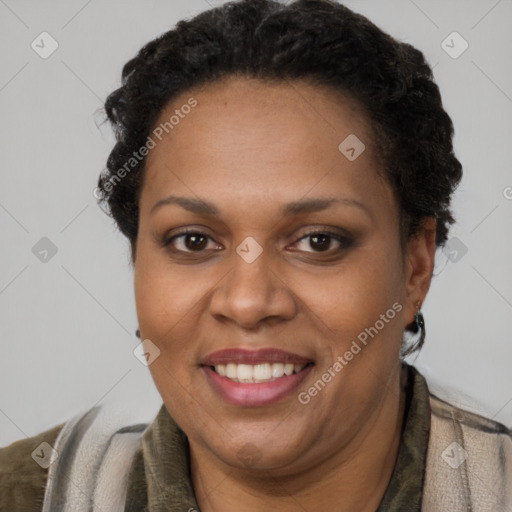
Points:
point(250, 147)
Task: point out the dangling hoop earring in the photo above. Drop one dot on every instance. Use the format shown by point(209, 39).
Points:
point(418, 330)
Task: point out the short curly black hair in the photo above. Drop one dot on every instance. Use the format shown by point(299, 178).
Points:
point(317, 40)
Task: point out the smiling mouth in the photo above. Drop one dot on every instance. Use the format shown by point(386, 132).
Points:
point(257, 373)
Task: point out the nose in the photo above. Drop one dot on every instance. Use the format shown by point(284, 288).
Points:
point(252, 294)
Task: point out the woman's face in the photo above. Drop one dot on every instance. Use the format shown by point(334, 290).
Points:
point(264, 249)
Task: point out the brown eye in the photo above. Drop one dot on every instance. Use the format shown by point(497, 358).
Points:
point(195, 242)
point(189, 242)
point(320, 241)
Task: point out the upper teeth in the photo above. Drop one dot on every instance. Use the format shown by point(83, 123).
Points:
point(258, 372)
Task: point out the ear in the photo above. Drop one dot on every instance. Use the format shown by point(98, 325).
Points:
point(419, 265)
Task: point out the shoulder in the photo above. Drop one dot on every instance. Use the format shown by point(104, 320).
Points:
point(482, 441)
point(469, 422)
point(24, 471)
point(95, 447)
point(469, 462)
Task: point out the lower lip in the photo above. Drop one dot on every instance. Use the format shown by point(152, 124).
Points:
point(255, 394)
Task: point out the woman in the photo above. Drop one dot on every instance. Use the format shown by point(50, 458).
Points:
point(283, 175)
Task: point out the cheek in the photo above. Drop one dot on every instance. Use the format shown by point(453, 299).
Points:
point(364, 313)
point(164, 294)
point(355, 296)
point(163, 302)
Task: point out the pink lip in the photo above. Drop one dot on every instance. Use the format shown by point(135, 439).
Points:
point(257, 393)
point(243, 356)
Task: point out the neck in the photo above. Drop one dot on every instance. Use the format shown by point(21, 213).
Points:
point(355, 478)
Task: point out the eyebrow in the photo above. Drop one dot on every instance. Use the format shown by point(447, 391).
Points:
point(203, 207)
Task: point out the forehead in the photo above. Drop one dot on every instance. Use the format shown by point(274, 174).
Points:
point(244, 136)
point(250, 110)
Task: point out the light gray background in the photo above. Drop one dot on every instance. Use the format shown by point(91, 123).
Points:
point(67, 325)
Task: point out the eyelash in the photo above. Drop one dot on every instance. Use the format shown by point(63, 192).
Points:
point(344, 241)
